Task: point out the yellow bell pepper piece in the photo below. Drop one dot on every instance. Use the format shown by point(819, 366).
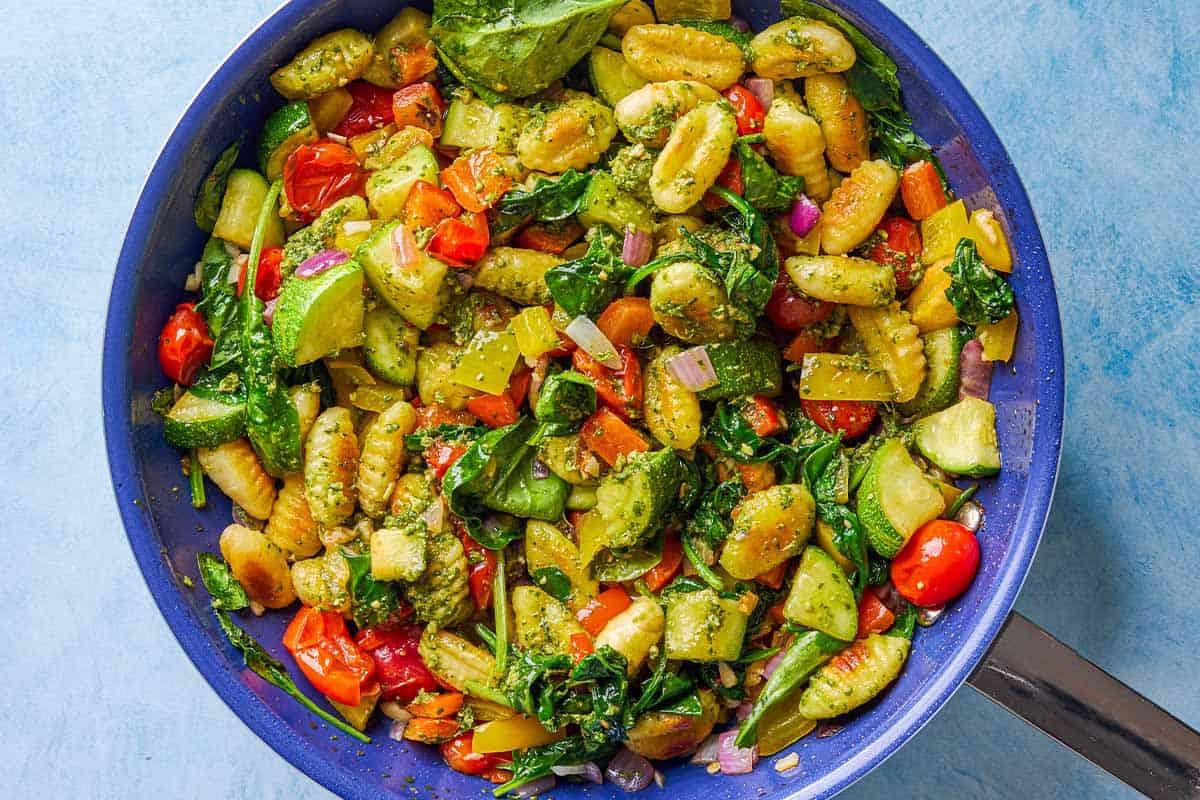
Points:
point(985, 230)
point(488, 361)
point(941, 232)
point(546, 546)
point(927, 305)
point(534, 331)
point(830, 376)
point(999, 338)
point(514, 733)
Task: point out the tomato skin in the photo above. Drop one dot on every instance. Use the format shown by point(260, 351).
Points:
point(420, 105)
point(481, 569)
point(461, 241)
point(371, 108)
point(873, 616)
point(731, 179)
point(749, 111)
point(620, 390)
point(461, 756)
point(317, 175)
point(184, 344)
point(804, 342)
point(851, 417)
point(763, 415)
point(435, 414)
point(442, 455)
point(477, 179)
point(937, 564)
point(333, 662)
point(602, 608)
point(789, 310)
point(668, 567)
point(398, 666)
point(427, 205)
point(268, 277)
point(901, 249)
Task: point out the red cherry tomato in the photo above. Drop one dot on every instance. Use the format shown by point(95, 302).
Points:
point(851, 417)
point(184, 344)
point(789, 310)
point(482, 565)
point(461, 241)
point(937, 564)
point(460, 754)
point(401, 673)
point(371, 108)
point(317, 175)
point(420, 105)
point(873, 616)
point(620, 390)
point(901, 249)
point(749, 111)
point(268, 278)
point(731, 179)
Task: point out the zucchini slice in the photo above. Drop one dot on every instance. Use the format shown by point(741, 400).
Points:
point(318, 316)
point(244, 196)
point(604, 202)
point(746, 367)
point(962, 438)
point(703, 626)
point(390, 346)
point(821, 597)
point(612, 76)
point(415, 293)
point(285, 130)
point(896, 498)
point(208, 421)
point(940, 387)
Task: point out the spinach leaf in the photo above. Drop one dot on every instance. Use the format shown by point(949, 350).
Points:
point(851, 540)
point(618, 566)
point(906, 622)
point(711, 521)
point(683, 585)
point(978, 294)
point(724, 30)
point(731, 433)
point(446, 432)
point(272, 422)
point(548, 200)
point(515, 48)
point(219, 304)
point(589, 283)
point(553, 581)
point(523, 494)
point(686, 706)
point(374, 604)
point(273, 672)
point(196, 480)
point(212, 190)
point(703, 571)
point(765, 189)
point(750, 281)
point(226, 592)
point(536, 762)
point(567, 398)
point(662, 687)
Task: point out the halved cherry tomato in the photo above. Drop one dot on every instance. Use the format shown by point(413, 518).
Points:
point(401, 673)
point(851, 417)
point(873, 616)
point(420, 105)
point(549, 237)
point(430, 731)
point(481, 569)
point(427, 205)
point(805, 341)
point(442, 455)
point(756, 477)
point(900, 249)
point(317, 175)
point(921, 189)
point(184, 344)
point(668, 566)
point(581, 647)
point(773, 577)
point(789, 310)
point(333, 663)
point(477, 179)
point(610, 437)
point(627, 320)
point(497, 776)
point(621, 390)
point(267, 279)
point(731, 179)
point(460, 241)
point(763, 415)
point(749, 111)
point(461, 756)
point(435, 414)
point(518, 384)
point(937, 564)
point(371, 108)
point(602, 608)
point(494, 410)
point(440, 706)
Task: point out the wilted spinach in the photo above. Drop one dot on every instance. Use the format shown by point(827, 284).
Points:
point(212, 190)
point(553, 581)
point(374, 604)
point(978, 294)
point(548, 200)
point(536, 762)
point(225, 590)
point(765, 188)
point(749, 281)
point(565, 401)
point(219, 305)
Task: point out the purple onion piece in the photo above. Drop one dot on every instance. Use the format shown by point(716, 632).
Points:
point(588, 771)
point(465, 279)
point(269, 311)
point(630, 771)
point(975, 374)
point(316, 264)
point(739, 24)
point(735, 760)
point(540, 470)
point(243, 518)
point(635, 251)
point(827, 729)
point(772, 665)
point(763, 90)
point(535, 787)
point(804, 216)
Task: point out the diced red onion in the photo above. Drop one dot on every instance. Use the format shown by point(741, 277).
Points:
point(828, 729)
point(540, 470)
point(396, 730)
point(630, 771)
point(585, 334)
point(706, 753)
point(235, 270)
point(243, 518)
point(970, 516)
point(804, 216)
point(393, 710)
point(434, 515)
point(928, 616)
point(588, 770)
point(636, 250)
point(739, 24)
point(356, 226)
point(405, 252)
point(763, 89)
point(735, 760)
point(743, 710)
point(693, 368)
point(269, 311)
point(974, 374)
point(772, 665)
point(539, 366)
point(536, 787)
point(318, 263)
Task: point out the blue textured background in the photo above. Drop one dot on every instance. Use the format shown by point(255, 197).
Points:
point(1097, 103)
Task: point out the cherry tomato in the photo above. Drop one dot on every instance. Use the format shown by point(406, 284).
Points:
point(419, 105)
point(851, 417)
point(334, 663)
point(621, 390)
point(268, 278)
point(763, 415)
point(371, 108)
point(900, 248)
point(427, 205)
point(442, 455)
point(789, 310)
point(873, 616)
point(461, 756)
point(731, 179)
point(600, 610)
point(435, 414)
point(937, 564)
point(749, 111)
point(401, 673)
point(461, 241)
point(481, 567)
point(184, 344)
point(317, 175)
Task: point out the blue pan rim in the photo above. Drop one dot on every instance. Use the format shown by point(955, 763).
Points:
point(160, 577)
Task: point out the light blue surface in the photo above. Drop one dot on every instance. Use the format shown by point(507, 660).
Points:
point(1097, 104)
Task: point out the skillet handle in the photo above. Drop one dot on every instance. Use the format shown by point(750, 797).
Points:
point(1067, 697)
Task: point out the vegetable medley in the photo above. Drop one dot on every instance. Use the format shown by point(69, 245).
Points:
point(590, 376)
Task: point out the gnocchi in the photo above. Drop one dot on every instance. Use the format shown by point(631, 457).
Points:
point(672, 411)
point(291, 527)
point(330, 463)
point(843, 279)
point(328, 62)
point(572, 135)
point(259, 566)
point(235, 469)
point(693, 157)
point(646, 115)
point(799, 47)
point(769, 527)
point(843, 120)
point(856, 207)
point(673, 52)
point(383, 456)
point(798, 146)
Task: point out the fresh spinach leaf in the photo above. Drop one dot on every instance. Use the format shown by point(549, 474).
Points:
point(212, 190)
point(553, 581)
point(978, 294)
point(536, 762)
point(566, 399)
point(683, 585)
point(906, 622)
point(851, 540)
point(686, 706)
point(750, 281)
point(764, 188)
point(548, 200)
point(662, 687)
point(618, 566)
point(226, 592)
point(374, 604)
point(589, 283)
point(219, 305)
point(515, 48)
